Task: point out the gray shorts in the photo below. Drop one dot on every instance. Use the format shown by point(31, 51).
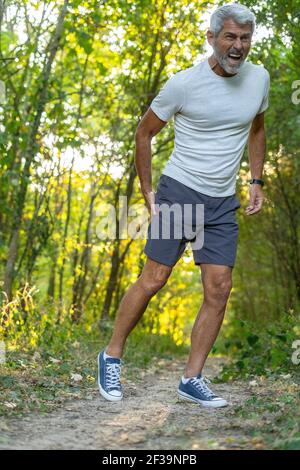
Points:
point(219, 228)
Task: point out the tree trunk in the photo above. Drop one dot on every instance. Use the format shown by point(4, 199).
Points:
point(31, 151)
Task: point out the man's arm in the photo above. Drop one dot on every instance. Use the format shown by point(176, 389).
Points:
point(257, 146)
point(256, 151)
point(148, 127)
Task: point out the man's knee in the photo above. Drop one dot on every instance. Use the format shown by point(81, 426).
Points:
point(154, 276)
point(217, 291)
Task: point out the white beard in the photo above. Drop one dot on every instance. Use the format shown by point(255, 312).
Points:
point(223, 62)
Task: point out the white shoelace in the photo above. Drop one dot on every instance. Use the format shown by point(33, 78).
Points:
point(200, 384)
point(113, 376)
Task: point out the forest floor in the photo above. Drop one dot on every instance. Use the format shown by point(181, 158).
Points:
point(152, 416)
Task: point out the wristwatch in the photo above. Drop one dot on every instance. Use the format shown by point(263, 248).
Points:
point(256, 181)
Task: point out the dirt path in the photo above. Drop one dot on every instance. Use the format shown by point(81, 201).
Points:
point(151, 416)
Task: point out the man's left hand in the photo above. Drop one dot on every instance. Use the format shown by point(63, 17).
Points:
point(256, 199)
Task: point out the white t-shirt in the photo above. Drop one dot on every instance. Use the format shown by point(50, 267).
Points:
point(213, 116)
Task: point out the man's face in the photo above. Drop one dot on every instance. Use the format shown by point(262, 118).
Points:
point(231, 46)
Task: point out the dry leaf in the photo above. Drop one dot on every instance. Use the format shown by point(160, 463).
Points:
point(253, 383)
point(76, 377)
point(10, 404)
point(55, 361)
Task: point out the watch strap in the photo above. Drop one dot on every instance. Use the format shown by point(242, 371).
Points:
point(257, 181)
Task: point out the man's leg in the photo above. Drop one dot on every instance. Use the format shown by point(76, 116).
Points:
point(217, 284)
point(154, 276)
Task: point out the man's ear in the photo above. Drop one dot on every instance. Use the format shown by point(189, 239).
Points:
point(210, 37)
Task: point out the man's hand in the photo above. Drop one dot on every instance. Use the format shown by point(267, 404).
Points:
point(149, 197)
point(256, 199)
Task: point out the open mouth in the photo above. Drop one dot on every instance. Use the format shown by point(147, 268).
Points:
point(235, 57)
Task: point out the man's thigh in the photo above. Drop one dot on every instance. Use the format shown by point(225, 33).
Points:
point(220, 233)
point(165, 243)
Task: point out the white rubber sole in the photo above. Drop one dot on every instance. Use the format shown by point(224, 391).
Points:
point(106, 395)
point(207, 404)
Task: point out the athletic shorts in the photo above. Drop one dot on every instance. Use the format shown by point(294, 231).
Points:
point(212, 231)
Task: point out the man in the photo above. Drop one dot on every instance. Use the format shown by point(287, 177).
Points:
point(218, 106)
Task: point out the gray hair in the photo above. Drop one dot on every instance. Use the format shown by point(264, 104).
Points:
point(235, 11)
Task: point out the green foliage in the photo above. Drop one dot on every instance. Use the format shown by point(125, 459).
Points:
point(274, 411)
point(256, 350)
point(40, 375)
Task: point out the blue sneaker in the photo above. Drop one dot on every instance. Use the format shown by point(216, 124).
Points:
point(195, 389)
point(109, 370)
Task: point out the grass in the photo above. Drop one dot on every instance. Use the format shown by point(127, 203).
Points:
point(63, 367)
point(273, 413)
point(42, 379)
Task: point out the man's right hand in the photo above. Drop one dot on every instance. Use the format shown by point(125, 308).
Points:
point(149, 197)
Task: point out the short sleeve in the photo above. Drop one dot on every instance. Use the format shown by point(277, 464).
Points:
point(170, 99)
point(265, 101)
